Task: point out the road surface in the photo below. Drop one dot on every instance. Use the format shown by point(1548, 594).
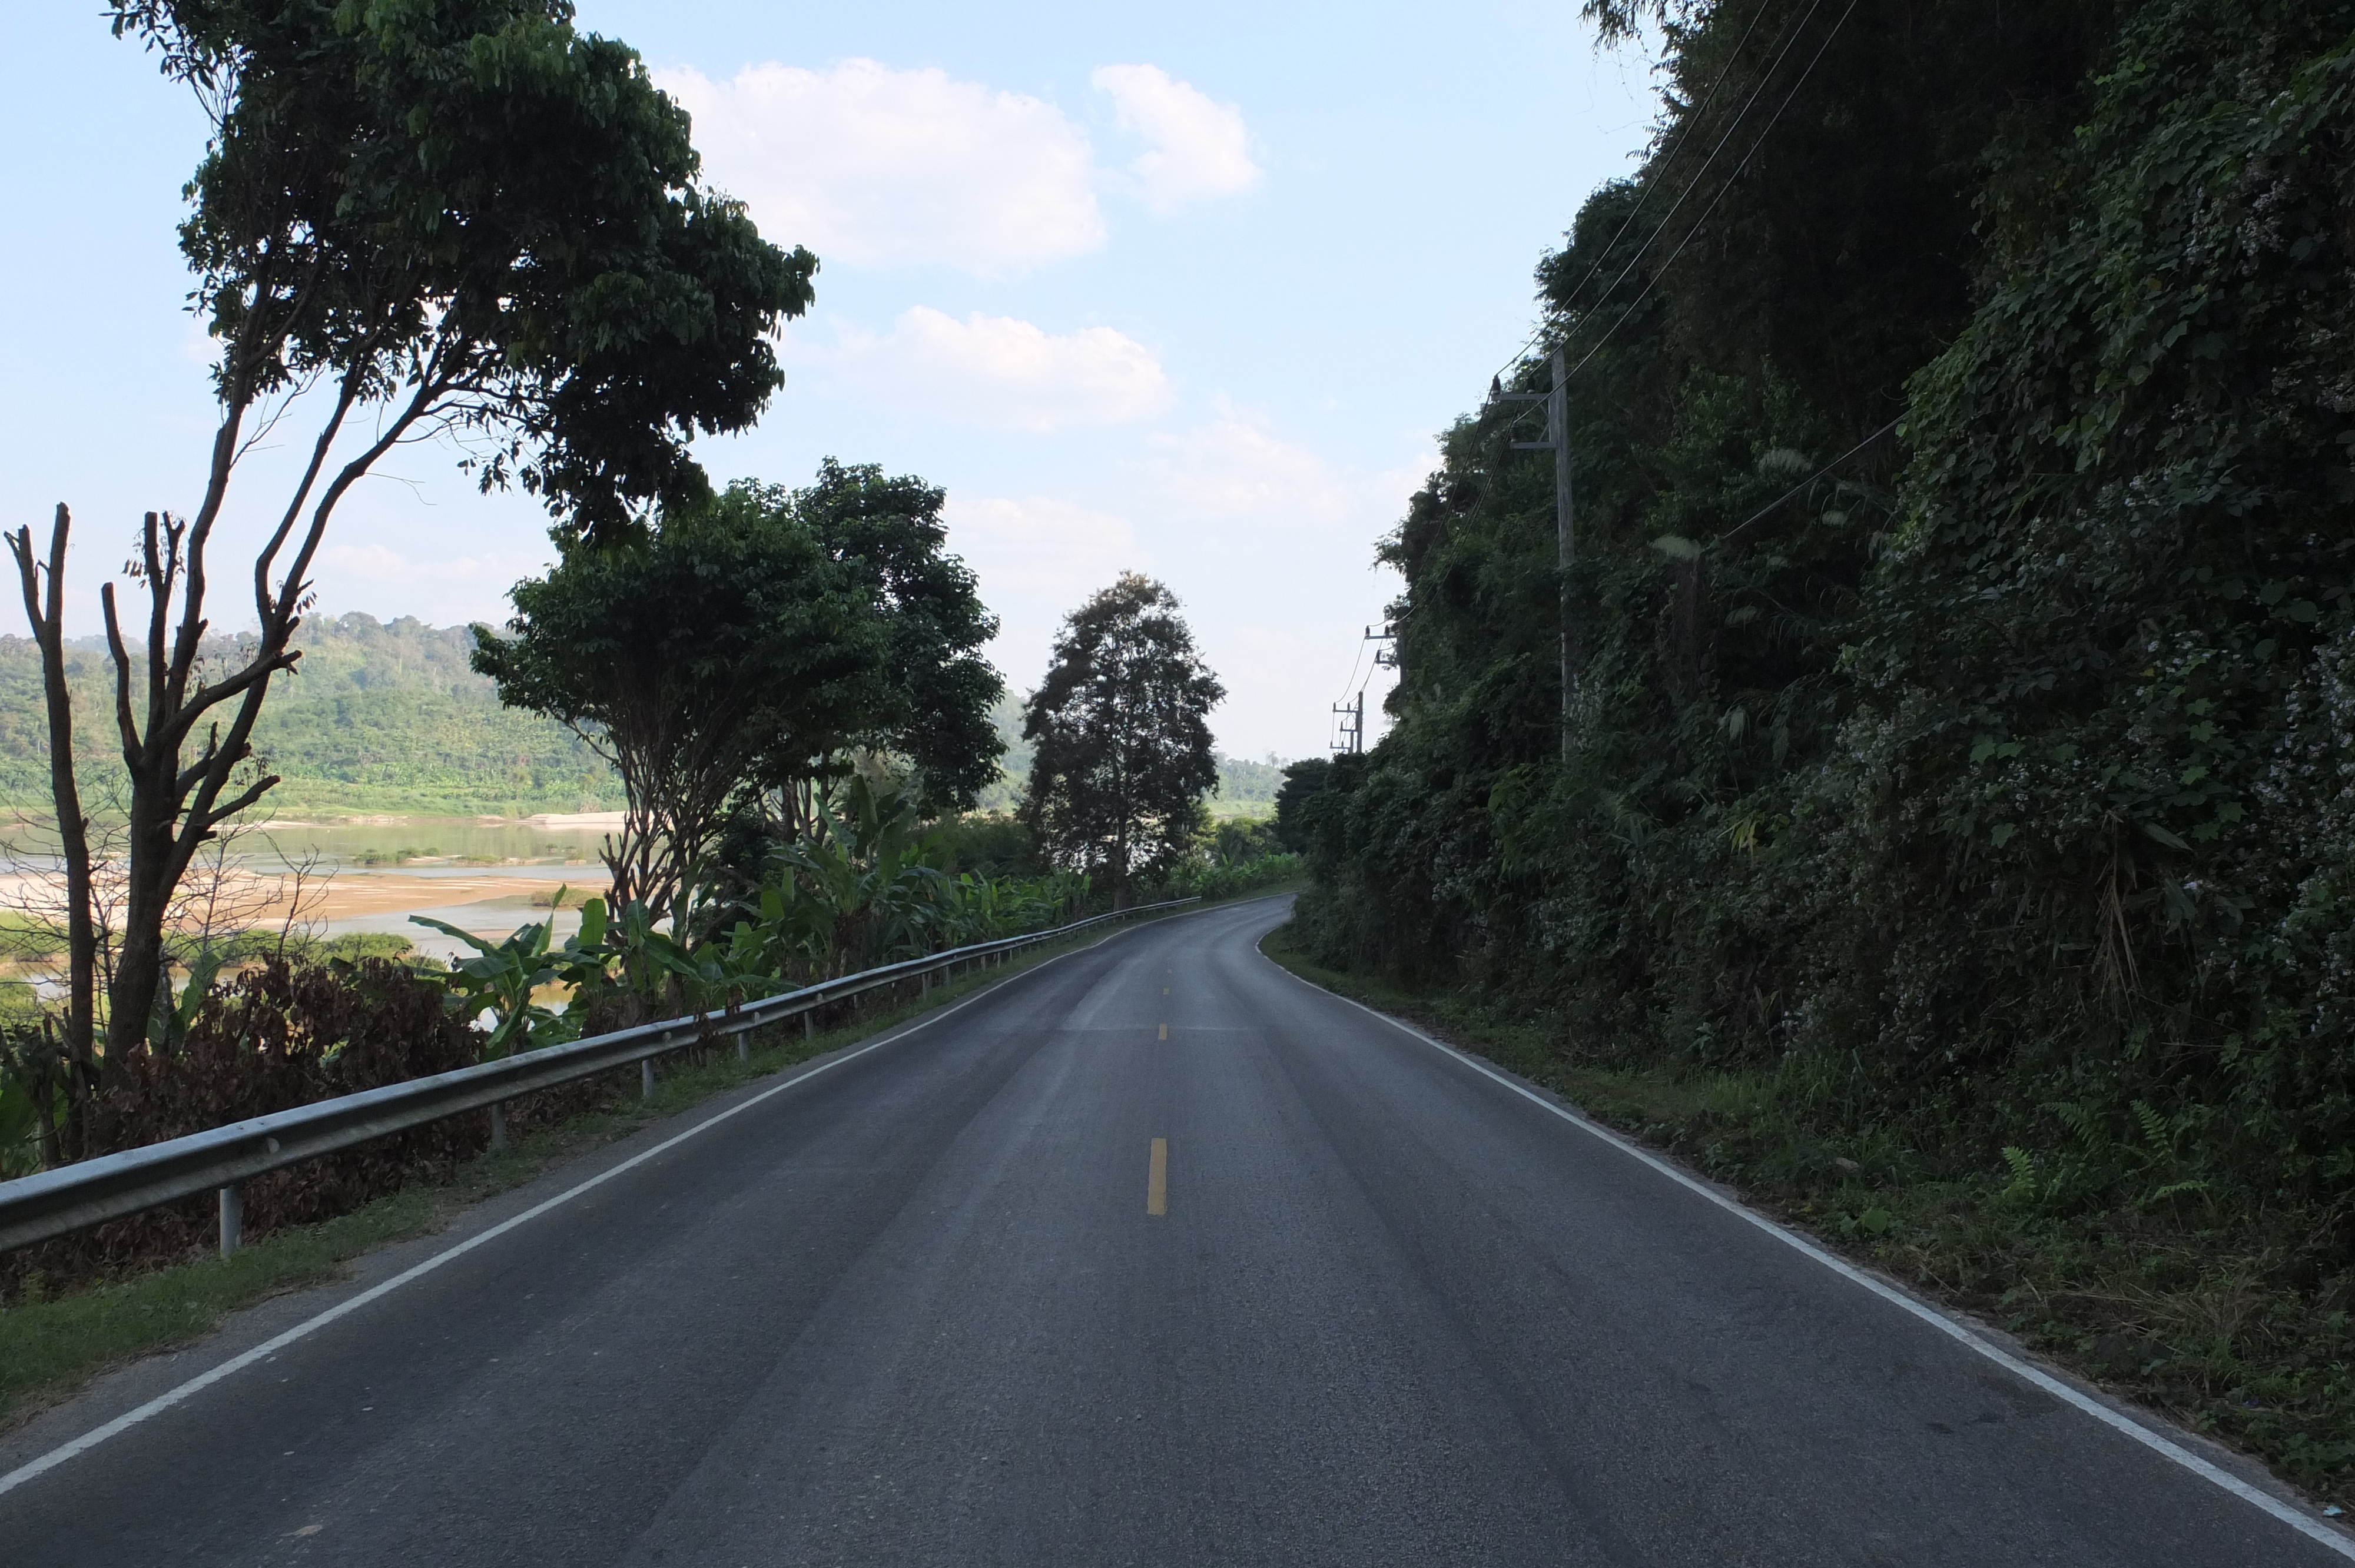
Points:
point(1153, 1256)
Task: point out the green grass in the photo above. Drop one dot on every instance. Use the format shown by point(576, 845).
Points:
point(2173, 1303)
point(49, 1347)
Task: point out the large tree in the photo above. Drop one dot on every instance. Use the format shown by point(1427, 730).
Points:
point(931, 698)
point(752, 643)
point(723, 635)
point(1122, 727)
point(467, 218)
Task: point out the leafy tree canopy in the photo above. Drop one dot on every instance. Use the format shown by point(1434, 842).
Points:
point(455, 217)
point(1120, 726)
point(684, 656)
point(931, 698)
point(753, 642)
point(476, 209)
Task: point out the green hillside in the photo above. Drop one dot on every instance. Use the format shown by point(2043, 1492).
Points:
point(380, 716)
point(386, 717)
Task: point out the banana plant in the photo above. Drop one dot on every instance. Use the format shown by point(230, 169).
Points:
point(173, 1016)
point(705, 978)
point(502, 976)
point(863, 889)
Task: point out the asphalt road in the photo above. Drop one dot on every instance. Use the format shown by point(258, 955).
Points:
point(944, 1303)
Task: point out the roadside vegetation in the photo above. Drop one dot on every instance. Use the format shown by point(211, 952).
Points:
point(1947, 832)
point(783, 687)
point(56, 1333)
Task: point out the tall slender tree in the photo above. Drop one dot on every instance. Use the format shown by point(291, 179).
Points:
point(467, 218)
point(1122, 727)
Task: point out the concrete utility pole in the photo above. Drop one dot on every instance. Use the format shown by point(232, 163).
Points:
point(1557, 441)
point(1353, 724)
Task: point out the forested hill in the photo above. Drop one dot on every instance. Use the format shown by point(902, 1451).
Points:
point(381, 716)
point(1958, 769)
point(388, 717)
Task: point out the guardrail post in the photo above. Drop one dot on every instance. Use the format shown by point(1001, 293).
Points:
point(498, 1124)
point(924, 983)
point(645, 1077)
point(232, 1220)
point(809, 1023)
point(743, 1045)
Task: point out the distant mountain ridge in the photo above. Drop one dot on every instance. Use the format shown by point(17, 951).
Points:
point(386, 716)
point(380, 716)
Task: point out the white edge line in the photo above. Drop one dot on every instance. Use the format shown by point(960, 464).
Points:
point(2306, 1525)
point(268, 1348)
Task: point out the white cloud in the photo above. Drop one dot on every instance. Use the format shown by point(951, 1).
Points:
point(1038, 559)
point(1004, 372)
point(1039, 546)
point(872, 166)
point(1197, 148)
point(1235, 467)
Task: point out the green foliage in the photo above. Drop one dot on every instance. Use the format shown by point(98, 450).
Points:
point(1241, 838)
point(930, 697)
point(987, 843)
point(480, 205)
point(1245, 787)
point(2108, 651)
point(870, 888)
point(1980, 783)
point(1243, 782)
point(1232, 878)
point(380, 716)
point(499, 981)
point(1121, 725)
point(685, 656)
point(757, 642)
point(1303, 782)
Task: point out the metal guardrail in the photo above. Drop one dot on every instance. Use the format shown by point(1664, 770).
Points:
point(91, 1191)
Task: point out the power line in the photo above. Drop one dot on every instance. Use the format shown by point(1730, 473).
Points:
point(1350, 684)
point(1811, 479)
point(1734, 124)
point(1691, 185)
point(1703, 221)
point(1669, 154)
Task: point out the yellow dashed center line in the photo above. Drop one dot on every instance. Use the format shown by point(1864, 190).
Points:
point(1156, 1179)
point(1165, 1032)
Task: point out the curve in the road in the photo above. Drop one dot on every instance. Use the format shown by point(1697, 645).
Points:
point(1151, 1254)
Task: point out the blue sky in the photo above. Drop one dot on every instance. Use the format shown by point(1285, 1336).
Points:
point(1182, 290)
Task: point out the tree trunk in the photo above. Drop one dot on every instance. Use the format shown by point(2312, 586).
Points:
point(175, 809)
point(44, 611)
point(1120, 862)
point(139, 964)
